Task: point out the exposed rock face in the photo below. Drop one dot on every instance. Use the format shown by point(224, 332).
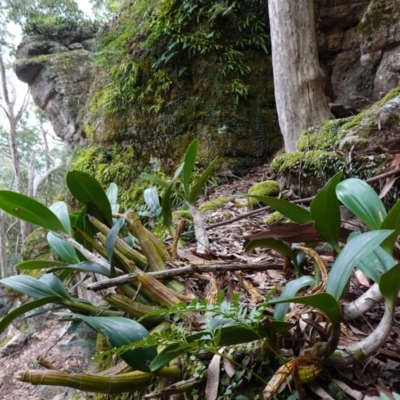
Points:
point(359, 47)
point(359, 44)
point(59, 76)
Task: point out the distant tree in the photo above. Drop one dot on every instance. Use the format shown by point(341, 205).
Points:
point(23, 11)
point(104, 10)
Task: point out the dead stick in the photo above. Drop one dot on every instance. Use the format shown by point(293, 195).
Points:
point(122, 280)
point(45, 363)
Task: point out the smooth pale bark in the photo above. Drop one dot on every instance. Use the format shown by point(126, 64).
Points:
point(3, 258)
point(9, 97)
point(298, 77)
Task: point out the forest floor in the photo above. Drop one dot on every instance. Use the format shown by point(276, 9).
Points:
point(364, 380)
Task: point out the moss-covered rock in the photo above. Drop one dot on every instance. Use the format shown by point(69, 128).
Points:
point(305, 173)
point(180, 214)
point(361, 131)
point(274, 218)
point(265, 188)
point(159, 84)
point(321, 148)
point(215, 204)
point(59, 72)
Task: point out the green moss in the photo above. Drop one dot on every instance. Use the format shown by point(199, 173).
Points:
point(176, 215)
point(391, 95)
point(274, 218)
point(266, 188)
point(215, 204)
point(362, 124)
point(5, 341)
point(103, 362)
point(324, 136)
point(292, 163)
point(159, 84)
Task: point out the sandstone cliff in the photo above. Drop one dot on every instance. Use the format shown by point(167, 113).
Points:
point(156, 111)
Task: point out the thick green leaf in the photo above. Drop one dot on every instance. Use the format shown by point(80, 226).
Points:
point(85, 266)
point(11, 316)
point(62, 248)
point(30, 210)
point(362, 201)
point(325, 211)
point(166, 207)
point(375, 263)
point(111, 240)
point(274, 244)
point(156, 180)
point(41, 264)
point(153, 207)
point(201, 182)
point(389, 286)
point(54, 283)
point(29, 286)
point(112, 193)
point(188, 165)
point(82, 223)
point(87, 190)
point(178, 171)
point(289, 291)
point(391, 221)
point(354, 251)
point(323, 301)
point(60, 209)
point(290, 210)
point(165, 185)
point(121, 332)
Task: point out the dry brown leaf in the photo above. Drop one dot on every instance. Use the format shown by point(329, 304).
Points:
point(388, 185)
point(292, 233)
point(362, 278)
point(213, 378)
point(229, 367)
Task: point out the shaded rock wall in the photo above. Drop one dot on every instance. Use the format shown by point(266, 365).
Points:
point(359, 46)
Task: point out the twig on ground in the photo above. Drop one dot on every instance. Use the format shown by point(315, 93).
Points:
point(190, 270)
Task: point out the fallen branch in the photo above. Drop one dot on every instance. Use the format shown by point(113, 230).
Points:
point(193, 269)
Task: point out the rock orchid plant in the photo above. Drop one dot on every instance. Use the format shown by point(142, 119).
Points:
point(100, 240)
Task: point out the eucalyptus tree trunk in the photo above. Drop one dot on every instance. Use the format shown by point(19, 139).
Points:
point(298, 77)
point(13, 116)
point(3, 258)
